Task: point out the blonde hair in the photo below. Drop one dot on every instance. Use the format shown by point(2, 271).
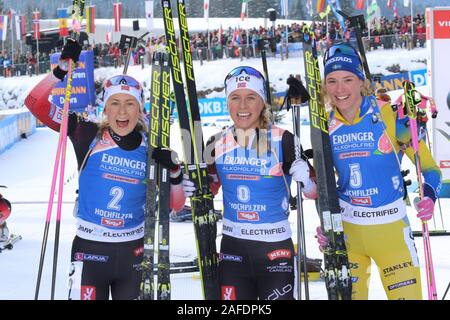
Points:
point(265, 116)
point(366, 90)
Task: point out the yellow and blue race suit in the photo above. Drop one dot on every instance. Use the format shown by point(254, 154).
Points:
point(367, 155)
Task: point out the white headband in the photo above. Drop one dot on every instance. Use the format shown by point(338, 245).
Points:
point(246, 81)
point(123, 88)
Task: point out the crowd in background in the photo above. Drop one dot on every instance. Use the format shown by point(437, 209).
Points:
point(238, 43)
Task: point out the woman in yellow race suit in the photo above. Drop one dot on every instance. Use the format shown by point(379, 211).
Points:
point(368, 140)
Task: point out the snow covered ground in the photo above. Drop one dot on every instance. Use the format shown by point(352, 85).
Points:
point(27, 168)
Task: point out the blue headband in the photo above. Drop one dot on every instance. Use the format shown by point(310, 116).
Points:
point(344, 62)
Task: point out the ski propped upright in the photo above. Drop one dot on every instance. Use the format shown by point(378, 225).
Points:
point(204, 218)
point(163, 289)
point(337, 270)
point(151, 205)
point(209, 228)
point(158, 186)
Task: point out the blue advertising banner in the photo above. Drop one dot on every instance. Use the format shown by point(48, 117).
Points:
point(419, 77)
point(217, 107)
point(83, 90)
point(393, 81)
point(213, 107)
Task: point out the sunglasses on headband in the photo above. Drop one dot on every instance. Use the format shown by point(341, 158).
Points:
point(244, 69)
point(342, 48)
point(122, 80)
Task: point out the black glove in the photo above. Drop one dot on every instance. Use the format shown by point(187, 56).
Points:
point(71, 50)
point(59, 73)
point(297, 90)
point(166, 157)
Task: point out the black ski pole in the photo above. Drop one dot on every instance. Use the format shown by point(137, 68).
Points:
point(41, 259)
point(298, 94)
point(301, 250)
point(358, 23)
point(262, 49)
point(129, 42)
point(446, 290)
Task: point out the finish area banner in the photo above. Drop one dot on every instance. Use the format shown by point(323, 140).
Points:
point(438, 47)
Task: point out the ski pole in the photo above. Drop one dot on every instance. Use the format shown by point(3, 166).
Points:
point(262, 49)
point(48, 218)
point(446, 290)
point(77, 14)
point(358, 23)
point(63, 133)
point(132, 43)
point(78, 7)
point(420, 130)
point(298, 94)
point(411, 103)
point(301, 250)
